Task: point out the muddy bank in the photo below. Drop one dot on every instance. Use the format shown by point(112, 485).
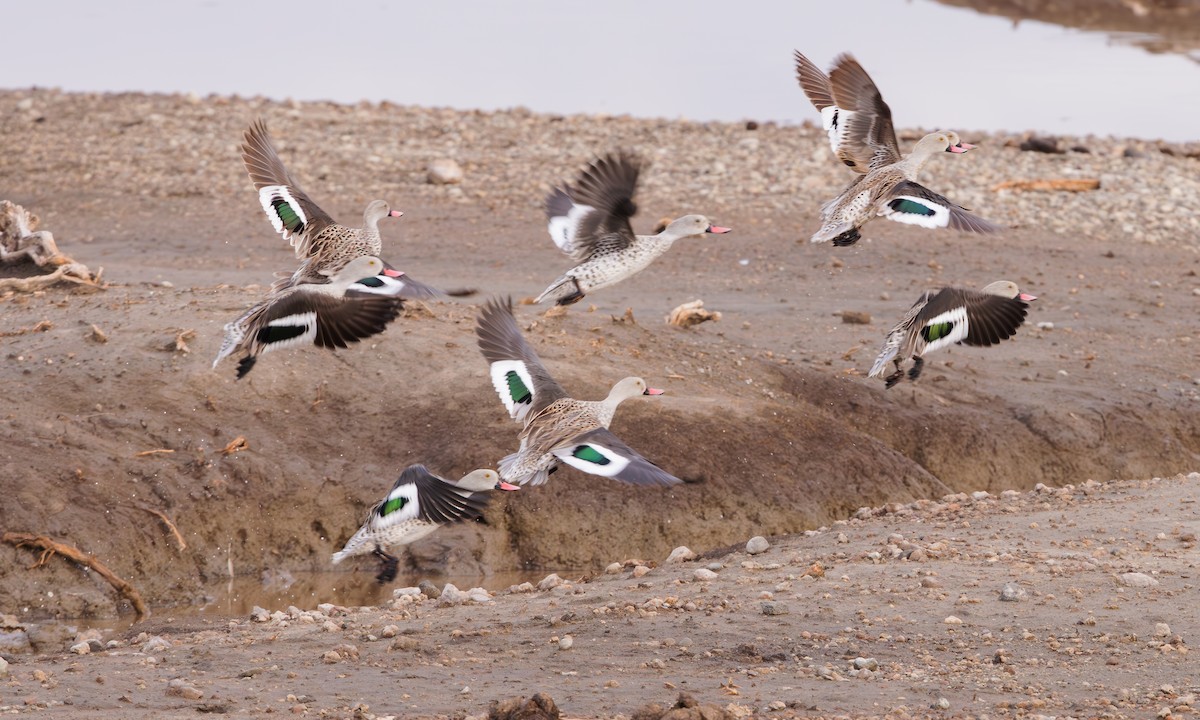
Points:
point(767, 413)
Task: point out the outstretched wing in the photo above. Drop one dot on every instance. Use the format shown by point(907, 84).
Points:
point(914, 204)
point(599, 452)
point(867, 139)
point(594, 213)
point(523, 383)
point(291, 212)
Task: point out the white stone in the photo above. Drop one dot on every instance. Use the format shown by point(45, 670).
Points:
point(451, 595)
point(681, 554)
point(445, 171)
point(952, 620)
point(156, 644)
point(3, 668)
point(1162, 630)
point(82, 648)
point(478, 595)
point(550, 581)
point(614, 568)
point(757, 544)
point(704, 574)
point(1138, 580)
point(566, 643)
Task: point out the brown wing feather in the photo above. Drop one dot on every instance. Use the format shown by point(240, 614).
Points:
point(870, 137)
point(608, 184)
point(266, 168)
point(814, 82)
point(500, 339)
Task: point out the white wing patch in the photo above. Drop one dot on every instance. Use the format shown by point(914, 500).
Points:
point(267, 197)
point(565, 228)
point(517, 407)
point(604, 462)
point(939, 219)
point(307, 320)
point(833, 119)
point(958, 316)
point(406, 507)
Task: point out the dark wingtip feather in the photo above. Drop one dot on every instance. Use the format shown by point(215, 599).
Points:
point(626, 207)
point(245, 366)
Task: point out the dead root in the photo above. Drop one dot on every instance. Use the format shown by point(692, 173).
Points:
point(1050, 185)
point(20, 241)
point(693, 313)
point(50, 548)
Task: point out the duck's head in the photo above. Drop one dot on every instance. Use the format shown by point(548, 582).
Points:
point(366, 266)
point(631, 387)
point(482, 479)
point(1008, 289)
point(940, 141)
point(691, 226)
point(378, 210)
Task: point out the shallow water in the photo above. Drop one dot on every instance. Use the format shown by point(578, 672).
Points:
point(937, 66)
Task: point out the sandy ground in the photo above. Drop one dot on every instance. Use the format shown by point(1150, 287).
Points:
point(1076, 602)
point(767, 416)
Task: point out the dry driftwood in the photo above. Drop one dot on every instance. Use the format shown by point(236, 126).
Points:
point(21, 241)
point(51, 548)
point(692, 313)
point(1051, 184)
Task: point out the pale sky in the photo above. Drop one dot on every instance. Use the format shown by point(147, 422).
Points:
point(698, 59)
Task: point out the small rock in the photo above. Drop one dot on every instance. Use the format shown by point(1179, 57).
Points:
point(445, 171)
point(862, 663)
point(331, 657)
point(1045, 326)
point(757, 544)
point(681, 554)
point(259, 615)
point(156, 644)
point(952, 620)
point(478, 595)
point(550, 581)
point(979, 495)
point(3, 668)
point(389, 631)
point(429, 590)
point(451, 595)
point(181, 688)
point(614, 568)
point(772, 607)
point(856, 317)
point(1138, 580)
point(942, 704)
point(1162, 630)
point(1012, 592)
point(566, 643)
point(640, 571)
point(777, 705)
point(82, 648)
point(704, 574)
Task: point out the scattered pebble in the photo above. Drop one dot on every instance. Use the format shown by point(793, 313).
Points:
point(445, 171)
point(772, 607)
point(1012, 592)
point(549, 582)
point(757, 544)
point(1137, 580)
point(614, 568)
point(566, 643)
point(704, 574)
point(681, 554)
point(179, 687)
